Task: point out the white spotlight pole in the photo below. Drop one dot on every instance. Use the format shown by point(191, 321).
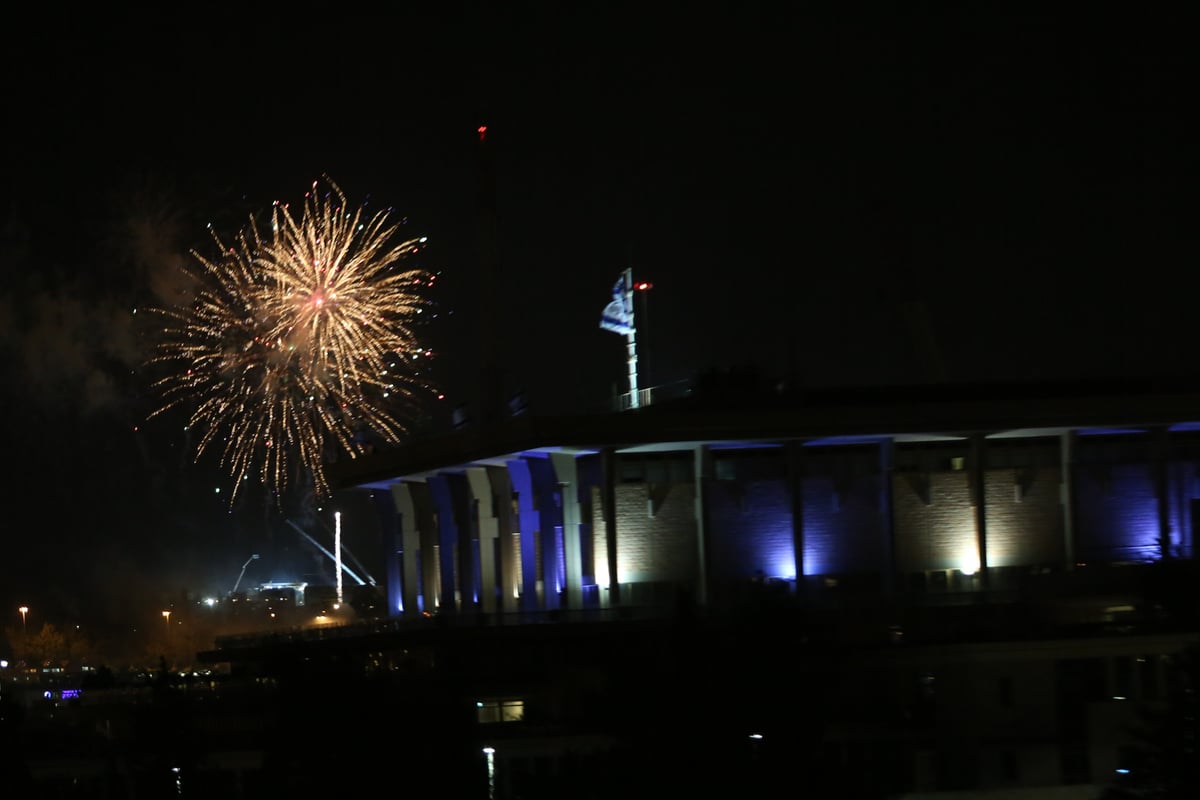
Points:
point(337, 550)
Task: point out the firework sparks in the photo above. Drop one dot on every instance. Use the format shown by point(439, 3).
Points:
point(298, 339)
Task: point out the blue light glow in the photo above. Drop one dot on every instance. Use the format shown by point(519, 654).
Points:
point(1119, 512)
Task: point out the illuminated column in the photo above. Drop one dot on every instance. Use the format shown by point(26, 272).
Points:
point(567, 472)
point(545, 490)
point(466, 563)
point(449, 541)
point(485, 521)
point(508, 565)
point(428, 534)
point(528, 522)
point(977, 477)
point(392, 549)
point(410, 548)
point(610, 587)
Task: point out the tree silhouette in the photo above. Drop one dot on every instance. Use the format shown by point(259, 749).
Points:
point(46, 647)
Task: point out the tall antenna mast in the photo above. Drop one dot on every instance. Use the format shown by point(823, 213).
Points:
point(488, 390)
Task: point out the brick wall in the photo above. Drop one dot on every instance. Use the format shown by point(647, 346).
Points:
point(844, 527)
point(749, 529)
point(935, 526)
point(1118, 513)
point(656, 532)
point(1025, 519)
point(933, 521)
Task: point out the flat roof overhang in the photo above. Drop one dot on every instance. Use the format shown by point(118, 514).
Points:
point(846, 418)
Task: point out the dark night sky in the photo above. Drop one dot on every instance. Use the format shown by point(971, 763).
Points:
point(807, 190)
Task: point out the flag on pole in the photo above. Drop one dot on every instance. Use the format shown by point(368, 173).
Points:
point(618, 314)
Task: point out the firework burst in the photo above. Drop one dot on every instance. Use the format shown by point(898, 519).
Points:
point(298, 340)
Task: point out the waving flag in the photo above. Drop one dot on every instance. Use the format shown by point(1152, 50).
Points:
point(618, 314)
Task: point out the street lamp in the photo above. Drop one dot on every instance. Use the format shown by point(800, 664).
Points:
point(167, 619)
point(24, 610)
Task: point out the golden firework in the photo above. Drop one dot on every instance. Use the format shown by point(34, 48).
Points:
point(298, 340)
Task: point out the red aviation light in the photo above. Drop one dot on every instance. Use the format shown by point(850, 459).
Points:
point(482, 130)
point(643, 286)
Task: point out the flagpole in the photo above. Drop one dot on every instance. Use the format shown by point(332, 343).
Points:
point(631, 341)
point(618, 317)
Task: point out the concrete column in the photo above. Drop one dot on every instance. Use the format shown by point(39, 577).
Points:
point(529, 524)
point(487, 530)
point(462, 507)
point(567, 473)
point(545, 492)
point(610, 595)
point(410, 548)
point(509, 565)
point(449, 543)
point(977, 477)
point(392, 549)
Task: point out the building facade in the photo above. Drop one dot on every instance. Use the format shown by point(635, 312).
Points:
point(957, 495)
point(978, 593)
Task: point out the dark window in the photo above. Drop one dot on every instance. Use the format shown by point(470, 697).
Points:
point(1008, 766)
point(1147, 667)
point(1123, 677)
point(1078, 681)
point(1006, 692)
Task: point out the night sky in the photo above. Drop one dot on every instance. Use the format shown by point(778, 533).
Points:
point(915, 193)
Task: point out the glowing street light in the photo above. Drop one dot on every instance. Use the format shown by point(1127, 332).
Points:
point(167, 619)
point(24, 610)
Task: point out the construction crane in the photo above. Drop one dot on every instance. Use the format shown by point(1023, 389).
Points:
point(242, 574)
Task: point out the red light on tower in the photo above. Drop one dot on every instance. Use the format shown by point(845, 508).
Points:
point(482, 132)
point(642, 286)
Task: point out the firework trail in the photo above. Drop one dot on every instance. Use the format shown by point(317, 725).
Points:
point(297, 340)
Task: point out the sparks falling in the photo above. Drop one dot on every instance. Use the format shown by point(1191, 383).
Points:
point(297, 341)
